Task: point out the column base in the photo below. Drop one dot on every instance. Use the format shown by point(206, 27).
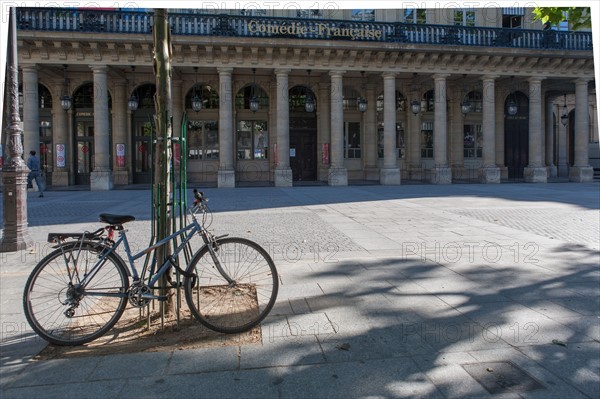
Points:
point(121, 177)
point(441, 175)
point(60, 178)
point(389, 177)
point(101, 180)
point(535, 175)
point(337, 177)
point(489, 174)
point(226, 178)
point(581, 174)
point(283, 177)
point(552, 171)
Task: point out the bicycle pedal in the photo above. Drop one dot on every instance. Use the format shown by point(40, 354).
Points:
point(162, 298)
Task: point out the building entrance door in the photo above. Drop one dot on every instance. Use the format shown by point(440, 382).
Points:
point(84, 151)
point(516, 138)
point(303, 148)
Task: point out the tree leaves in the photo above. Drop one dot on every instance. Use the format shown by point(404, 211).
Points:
point(578, 17)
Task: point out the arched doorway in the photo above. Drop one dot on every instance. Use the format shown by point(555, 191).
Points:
point(142, 125)
point(516, 136)
point(303, 136)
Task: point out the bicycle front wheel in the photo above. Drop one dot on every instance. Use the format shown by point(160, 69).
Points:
point(65, 312)
point(231, 307)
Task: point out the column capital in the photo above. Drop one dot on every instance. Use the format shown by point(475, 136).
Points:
point(336, 73)
point(282, 71)
point(441, 76)
point(99, 68)
point(389, 75)
point(225, 70)
point(29, 67)
point(489, 77)
point(535, 79)
point(582, 81)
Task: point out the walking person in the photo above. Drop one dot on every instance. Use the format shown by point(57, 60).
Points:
point(33, 163)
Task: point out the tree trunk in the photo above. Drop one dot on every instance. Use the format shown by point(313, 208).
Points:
point(162, 150)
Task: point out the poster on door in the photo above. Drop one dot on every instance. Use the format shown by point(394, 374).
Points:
point(120, 155)
point(61, 161)
point(325, 154)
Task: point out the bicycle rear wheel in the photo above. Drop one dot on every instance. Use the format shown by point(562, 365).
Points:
point(64, 313)
point(241, 305)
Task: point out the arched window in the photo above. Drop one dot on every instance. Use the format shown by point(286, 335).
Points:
point(243, 97)
point(297, 98)
point(209, 96)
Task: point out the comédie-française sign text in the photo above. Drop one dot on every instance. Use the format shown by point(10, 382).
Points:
point(319, 29)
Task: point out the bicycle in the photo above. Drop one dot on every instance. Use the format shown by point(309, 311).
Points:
point(79, 291)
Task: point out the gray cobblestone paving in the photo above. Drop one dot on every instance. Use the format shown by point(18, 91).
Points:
point(394, 302)
point(575, 226)
point(288, 232)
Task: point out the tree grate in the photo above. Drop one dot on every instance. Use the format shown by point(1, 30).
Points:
point(502, 377)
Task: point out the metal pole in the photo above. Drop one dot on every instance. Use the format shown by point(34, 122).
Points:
point(14, 176)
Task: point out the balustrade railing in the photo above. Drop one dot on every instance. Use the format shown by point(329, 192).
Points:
point(129, 22)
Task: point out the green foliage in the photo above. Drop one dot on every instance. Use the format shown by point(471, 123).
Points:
point(579, 17)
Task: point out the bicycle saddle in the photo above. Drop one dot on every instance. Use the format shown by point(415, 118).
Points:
point(115, 219)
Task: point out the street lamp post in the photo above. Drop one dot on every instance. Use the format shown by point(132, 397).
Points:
point(14, 174)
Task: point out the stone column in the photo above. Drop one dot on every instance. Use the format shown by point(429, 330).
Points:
point(226, 173)
point(489, 172)
point(552, 171)
point(121, 133)
point(31, 112)
point(101, 177)
point(338, 175)
point(535, 172)
point(442, 174)
point(581, 171)
point(283, 172)
point(324, 132)
point(389, 173)
point(370, 141)
point(61, 136)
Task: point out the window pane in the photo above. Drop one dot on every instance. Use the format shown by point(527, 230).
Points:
point(244, 140)
point(427, 140)
point(195, 139)
point(211, 131)
point(261, 140)
point(352, 140)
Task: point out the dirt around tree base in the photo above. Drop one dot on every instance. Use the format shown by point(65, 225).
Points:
point(132, 335)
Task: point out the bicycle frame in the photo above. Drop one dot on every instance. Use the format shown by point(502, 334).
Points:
point(190, 230)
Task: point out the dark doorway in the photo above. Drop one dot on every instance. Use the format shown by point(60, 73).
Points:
point(303, 148)
point(516, 137)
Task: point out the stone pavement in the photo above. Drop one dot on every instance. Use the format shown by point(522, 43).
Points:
point(408, 291)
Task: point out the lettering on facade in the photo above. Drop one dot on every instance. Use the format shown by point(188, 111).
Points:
point(319, 29)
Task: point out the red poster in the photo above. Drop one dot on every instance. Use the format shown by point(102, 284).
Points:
point(177, 153)
point(120, 155)
point(325, 153)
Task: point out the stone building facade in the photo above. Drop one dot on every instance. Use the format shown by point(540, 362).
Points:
point(437, 95)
